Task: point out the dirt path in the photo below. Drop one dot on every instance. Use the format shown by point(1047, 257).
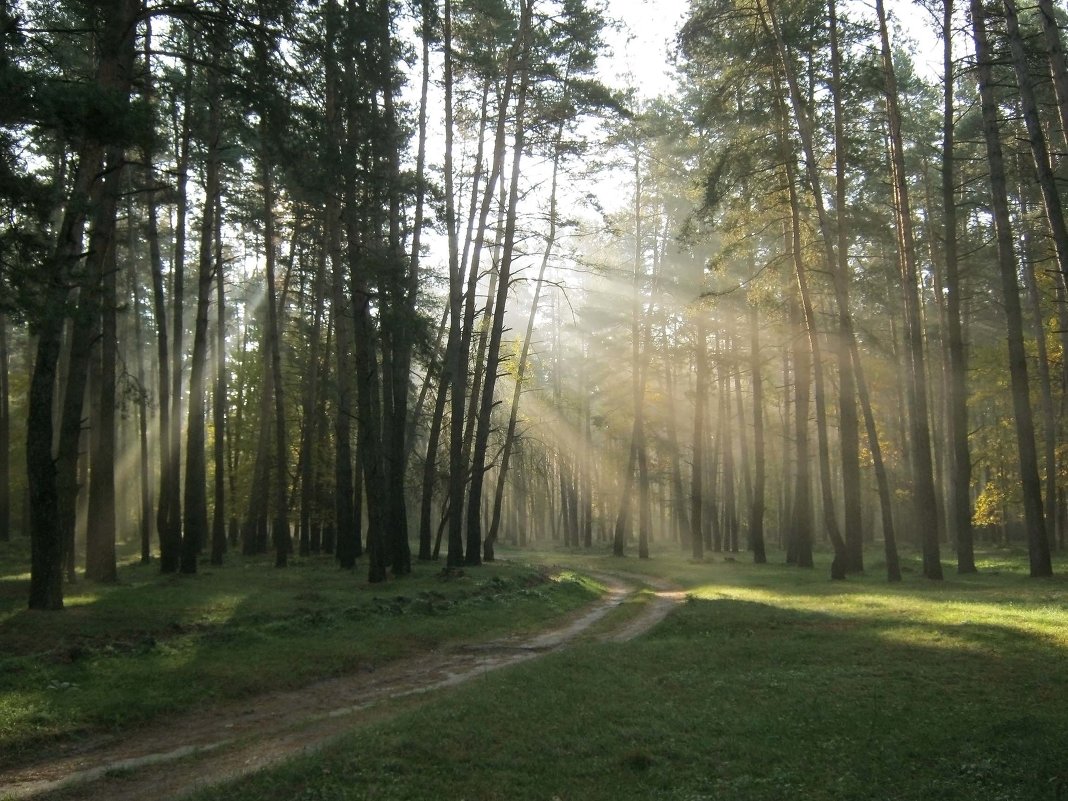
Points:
point(174, 757)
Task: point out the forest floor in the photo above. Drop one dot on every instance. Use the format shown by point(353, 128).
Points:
point(183, 753)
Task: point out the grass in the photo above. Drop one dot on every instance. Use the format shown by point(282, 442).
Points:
point(768, 683)
point(121, 655)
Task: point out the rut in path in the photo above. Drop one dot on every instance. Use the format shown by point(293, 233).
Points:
point(180, 755)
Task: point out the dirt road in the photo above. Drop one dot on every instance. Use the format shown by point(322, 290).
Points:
point(181, 754)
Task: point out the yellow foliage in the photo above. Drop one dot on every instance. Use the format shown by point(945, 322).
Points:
point(989, 505)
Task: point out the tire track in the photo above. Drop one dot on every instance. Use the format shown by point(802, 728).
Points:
point(174, 757)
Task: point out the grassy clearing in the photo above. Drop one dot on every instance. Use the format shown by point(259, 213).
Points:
point(121, 655)
point(769, 683)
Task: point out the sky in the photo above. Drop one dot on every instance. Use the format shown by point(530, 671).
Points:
point(642, 47)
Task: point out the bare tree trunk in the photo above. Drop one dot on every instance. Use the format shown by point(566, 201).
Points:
point(1058, 65)
point(960, 514)
point(1038, 544)
point(169, 552)
point(174, 494)
point(45, 486)
point(923, 488)
point(273, 337)
point(756, 515)
point(309, 435)
point(841, 293)
point(680, 517)
point(347, 544)
point(218, 523)
point(456, 369)
point(814, 359)
point(509, 437)
point(100, 531)
point(697, 479)
point(473, 552)
point(726, 438)
point(195, 533)
point(1036, 137)
point(84, 327)
point(5, 435)
point(1049, 422)
point(848, 424)
point(398, 315)
point(801, 513)
point(47, 483)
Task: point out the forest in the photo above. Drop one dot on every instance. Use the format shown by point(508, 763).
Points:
point(352, 349)
point(333, 276)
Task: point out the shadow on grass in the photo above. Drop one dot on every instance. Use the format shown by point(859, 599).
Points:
point(157, 644)
point(726, 699)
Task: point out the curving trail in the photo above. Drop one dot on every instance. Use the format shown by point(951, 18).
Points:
point(174, 757)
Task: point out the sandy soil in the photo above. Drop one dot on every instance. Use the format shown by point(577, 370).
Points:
point(181, 754)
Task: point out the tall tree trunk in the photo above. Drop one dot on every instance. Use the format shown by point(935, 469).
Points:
point(399, 315)
point(280, 526)
point(174, 493)
point(100, 531)
point(1045, 383)
point(347, 536)
point(801, 513)
point(1038, 545)
point(960, 507)
point(923, 488)
point(254, 528)
point(5, 435)
point(813, 358)
point(726, 438)
point(697, 480)
point(218, 522)
point(848, 424)
point(473, 552)
point(841, 292)
point(456, 369)
point(169, 551)
point(144, 526)
point(1036, 138)
point(681, 518)
point(46, 483)
point(509, 436)
point(309, 437)
point(756, 515)
point(84, 327)
point(1058, 65)
point(195, 505)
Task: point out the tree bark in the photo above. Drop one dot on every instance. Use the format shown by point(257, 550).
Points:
point(923, 488)
point(100, 532)
point(195, 502)
point(697, 476)
point(174, 496)
point(5, 434)
point(841, 293)
point(1036, 138)
point(509, 437)
point(1038, 544)
point(46, 482)
point(848, 424)
point(169, 551)
point(756, 515)
point(473, 552)
point(218, 522)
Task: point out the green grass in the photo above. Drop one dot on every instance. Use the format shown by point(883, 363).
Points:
point(768, 684)
point(121, 655)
